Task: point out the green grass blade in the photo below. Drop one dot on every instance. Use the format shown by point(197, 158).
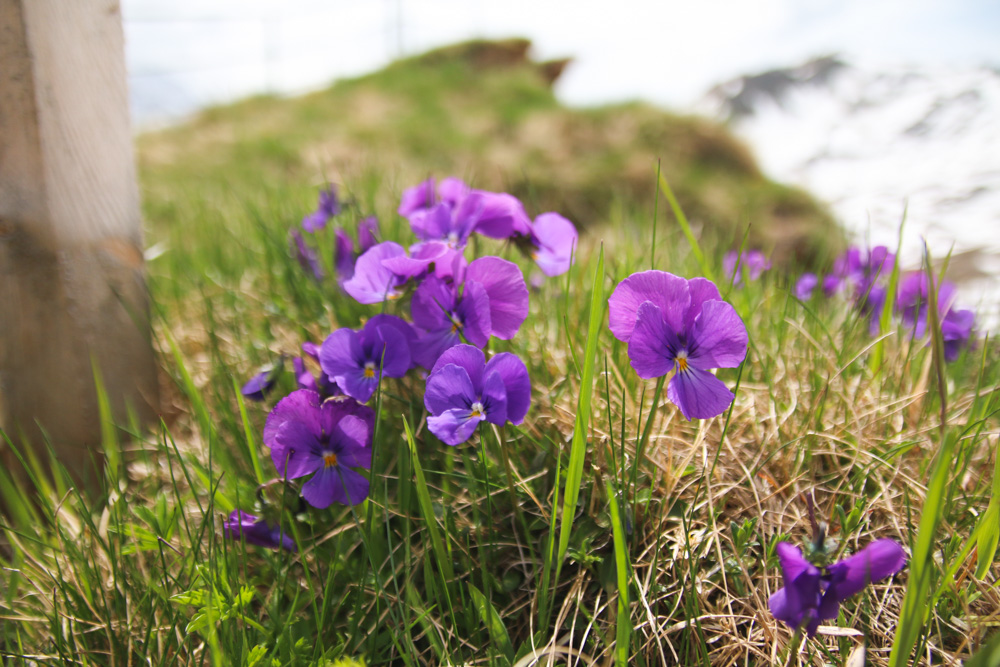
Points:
point(988, 655)
point(682, 220)
point(493, 622)
point(427, 509)
point(578, 448)
point(251, 442)
point(623, 632)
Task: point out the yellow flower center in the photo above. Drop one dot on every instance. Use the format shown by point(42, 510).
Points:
point(329, 459)
point(477, 410)
point(682, 362)
point(370, 369)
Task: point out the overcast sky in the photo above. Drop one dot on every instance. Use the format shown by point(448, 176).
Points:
point(184, 53)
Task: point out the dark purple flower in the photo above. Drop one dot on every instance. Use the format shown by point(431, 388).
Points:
point(253, 530)
point(753, 263)
point(372, 281)
point(683, 325)
point(329, 206)
point(368, 232)
point(305, 255)
point(357, 360)
point(343, 256)
point(304, 377)
point(913, 298)
point(805, 285)
point(956, 330)
point(325, 439)
point(464, 389)
point(812, 594)
point(263, 382)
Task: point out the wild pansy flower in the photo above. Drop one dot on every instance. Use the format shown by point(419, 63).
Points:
point(752, 263)
point(463, 389)
point(459, 210)
point(372, 282)
point(324, 439)
point(344, 255)
point(263, 382)
point(492, 300)
point(427, 257)
point(305, 255)
point(912, 301)
point(805, 285)
point(329, 206)
point(671, 323)
point(304, 377)
point(357, 360)
point(253, 530)
point(812, 594)
point(550, 240)
point(956, 331)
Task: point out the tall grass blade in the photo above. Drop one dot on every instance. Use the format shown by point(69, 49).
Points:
point(578, 448)
point(251, 442)
point(623, 633)
point(682, 220)
point(493, 622)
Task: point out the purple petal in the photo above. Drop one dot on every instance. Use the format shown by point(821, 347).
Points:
point(255, 531)
point(648, 351)
point(517, 384)
point(432, 344)
point(667, 291)
point(799, 598)
point(333, 484)
point(494, 399)
point(305, 255)
point(368, 232)
point(433, 224)
point(468, 357)
point(259, 385)
point(335, 410)
point(341, 354)
point(422, 255)
point(474, 312)
point(343, 255)
point(455, 426)
point(303, 377)
point(295, 451)
point(449, 387)
point(500, 214)
point(302, 406)
point(880, 559)
point(699, 394)
point(805, 285)
point(404, 328)
point(555, 239)
point(418, 197)
point(372, 282)
point(507, 290)
point(453, 190)
point(702, 290)
point(718, 339)
point(387, 347)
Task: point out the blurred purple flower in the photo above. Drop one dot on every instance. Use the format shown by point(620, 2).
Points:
point(372, 281)
point(683, 325)
point(812, 594)
point(305, 255)
point(435, 257)
point(343, 256)
point(753, 263)
point(805, 285)
point(328, 207)
point(325, 439)
point(463, 389)
point(304, 377)
point(256, 531)
point(357, 360)
point(913, 298)
point(956, 330)
point(263, 382)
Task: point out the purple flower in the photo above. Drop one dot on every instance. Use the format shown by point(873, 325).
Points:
point(913, 297)
point(372, 281)
point(253, 530)
point(329, 206)
point(812, 594)
point(368, 232)
point(344, 256)
point(305, 255)
point(551, 242)
point(325, 439)
point(805, 285)
point(956, 330)
point(263, 382)
point(426, 257)
point(464, 389)
point(858, 270)
point(357, 360)
point(321, 384)
point(752, 264)
point(683, 325)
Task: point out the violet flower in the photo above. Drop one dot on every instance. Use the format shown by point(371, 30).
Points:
point(253, 530)
point(324, 439)
point(304, 377)
point(257, 387)
point(956, 330)
point(805, 285)
point(683, 325)
point(329, 206)
point(753, 264)
point(357, 360)
point(812, 594)
point(550, 241)
point(372, 282)
point(305, 255)
point(463, 389)
point(427, 257)
point(913, 298)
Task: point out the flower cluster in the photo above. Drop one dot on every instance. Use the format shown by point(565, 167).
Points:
point(863, 276)
point(674, 324)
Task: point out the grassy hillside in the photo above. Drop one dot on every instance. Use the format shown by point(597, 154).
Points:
point(485, 112)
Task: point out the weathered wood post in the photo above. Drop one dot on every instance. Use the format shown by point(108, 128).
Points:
point(71, 266)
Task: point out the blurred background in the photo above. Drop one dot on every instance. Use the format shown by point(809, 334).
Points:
point(875, 107)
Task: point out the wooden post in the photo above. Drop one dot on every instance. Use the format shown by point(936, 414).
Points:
point(71, 267)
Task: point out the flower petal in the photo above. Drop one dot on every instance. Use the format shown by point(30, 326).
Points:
point(474, 311)
point(431, 304)
point(556, 238)
point(415, 198)
point(648, 351)
point(295, 451)
point(500, 214)
point(719, 338)
point(387, 347)
point(341, 354)
point(507, 290)
point(351, 432)
point(495, 399)
point(699, 394)
point(667, 291)
point(470, 358)
point(516, 381)
point(302, 405)
point(455, 426)
point(372, 282)
point(448, 387)
point(336, 409)
point(880, 559)
point(333, 484)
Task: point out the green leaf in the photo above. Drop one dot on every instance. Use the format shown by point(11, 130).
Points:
point(989, 535)
point(493, 622)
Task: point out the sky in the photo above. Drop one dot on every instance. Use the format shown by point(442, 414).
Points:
point(183, 54)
